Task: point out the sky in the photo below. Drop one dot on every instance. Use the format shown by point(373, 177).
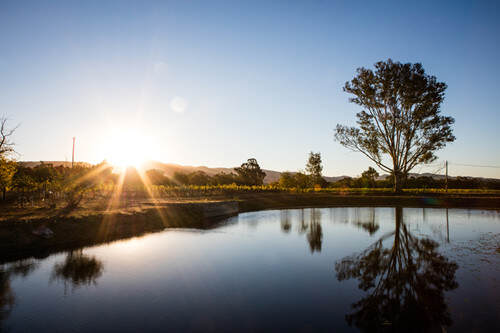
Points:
point(215, 83)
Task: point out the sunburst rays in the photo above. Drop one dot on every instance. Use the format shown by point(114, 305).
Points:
point(119, 198)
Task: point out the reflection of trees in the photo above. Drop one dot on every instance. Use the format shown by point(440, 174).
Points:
point(78, 269)
point(7, 296)
point(370, 227)
point(315, 233)
point(312, 227)
point(367, 223)
point(302, 223)
point(406, 283)
point(286, 224)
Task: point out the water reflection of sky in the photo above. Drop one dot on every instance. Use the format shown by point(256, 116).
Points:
point(271, 270)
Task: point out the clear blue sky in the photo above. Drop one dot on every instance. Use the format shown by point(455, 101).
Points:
point(214, 83)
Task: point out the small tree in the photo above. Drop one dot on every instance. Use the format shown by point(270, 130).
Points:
point(223, 178)
point(369, 177)
point(400, 117)
point(181, 178)
point(199, 178)
point(7, 171)
point(250, 173)
point(314, 168)
point(157, 177)
point(287, 180)
point(302, 180)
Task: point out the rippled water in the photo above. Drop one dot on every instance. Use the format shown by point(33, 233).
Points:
point(332, 269)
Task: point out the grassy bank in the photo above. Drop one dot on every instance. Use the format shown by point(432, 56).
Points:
point(92, 224)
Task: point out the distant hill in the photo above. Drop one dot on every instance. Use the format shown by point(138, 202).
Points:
point(170, 168)
point(32, 164)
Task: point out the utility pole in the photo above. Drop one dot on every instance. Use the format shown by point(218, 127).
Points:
point(446, 179)
point(73, 154)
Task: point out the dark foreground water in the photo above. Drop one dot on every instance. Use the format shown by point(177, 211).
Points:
point(333, 269)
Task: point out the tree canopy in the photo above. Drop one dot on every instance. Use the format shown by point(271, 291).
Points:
point(314, 167)
point(369, 177)
point(250, 172)
point(7, 171)
point(400, 118)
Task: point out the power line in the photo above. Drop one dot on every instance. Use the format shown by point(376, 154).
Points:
point(478, 166)
point(439, 165)
point(437, 170)
point(433, 164)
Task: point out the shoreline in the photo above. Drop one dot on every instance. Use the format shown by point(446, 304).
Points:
point(70, 232)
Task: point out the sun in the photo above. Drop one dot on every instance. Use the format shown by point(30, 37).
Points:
point(128, 148)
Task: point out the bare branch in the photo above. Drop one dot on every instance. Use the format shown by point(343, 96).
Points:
point(6, 144)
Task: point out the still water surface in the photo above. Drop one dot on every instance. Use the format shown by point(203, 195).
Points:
point(332, 269)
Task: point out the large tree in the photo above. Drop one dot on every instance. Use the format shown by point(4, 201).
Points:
point(400, 119)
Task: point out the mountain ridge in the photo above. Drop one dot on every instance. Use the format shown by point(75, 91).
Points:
point(271, 175)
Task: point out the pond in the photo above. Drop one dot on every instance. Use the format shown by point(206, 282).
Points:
point(331, 269)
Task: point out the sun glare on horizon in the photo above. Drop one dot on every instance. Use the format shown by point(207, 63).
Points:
point(128, 148)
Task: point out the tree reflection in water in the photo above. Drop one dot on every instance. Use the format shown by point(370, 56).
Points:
point(368, 224)
point(286, 224)
point(7, 296)
point(406, 283)
point(78, 269)
point(315, 233)
point(313, 227)
point(303, 225)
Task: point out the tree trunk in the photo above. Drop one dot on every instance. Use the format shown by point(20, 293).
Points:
point(4, 193)
point(396, 176)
